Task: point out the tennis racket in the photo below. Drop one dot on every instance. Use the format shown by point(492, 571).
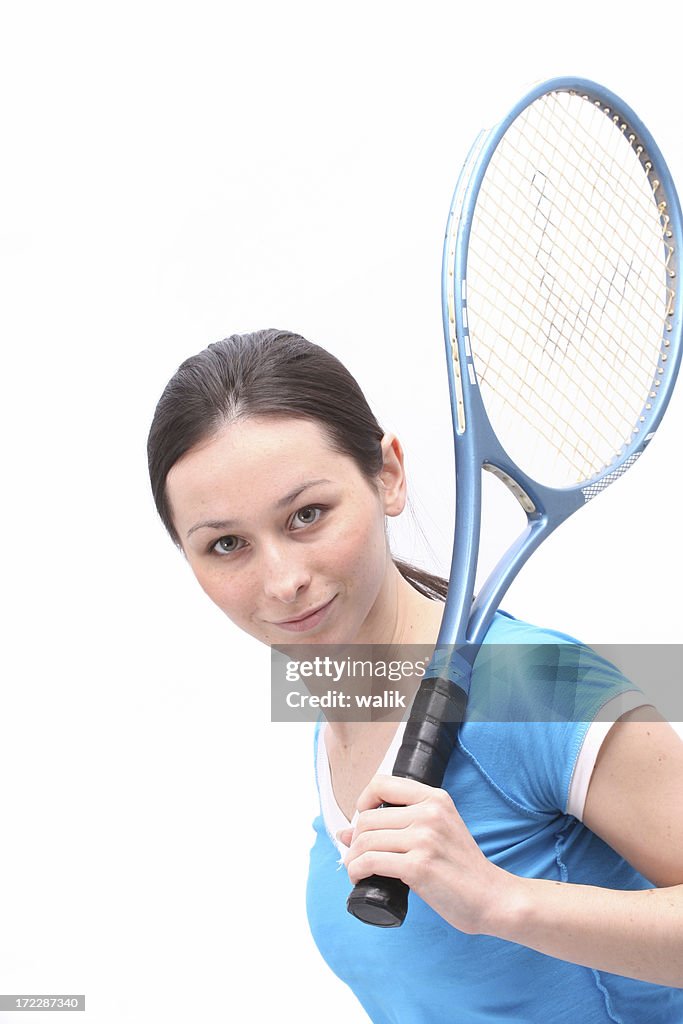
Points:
point(563, 341)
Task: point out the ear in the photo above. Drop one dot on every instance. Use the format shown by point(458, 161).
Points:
point(392, 477)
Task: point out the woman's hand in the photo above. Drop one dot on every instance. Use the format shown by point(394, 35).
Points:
point(424, 841)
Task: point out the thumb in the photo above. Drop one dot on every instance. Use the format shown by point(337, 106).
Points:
point(344, 835)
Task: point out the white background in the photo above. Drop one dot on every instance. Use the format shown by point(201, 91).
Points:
point(173, 173)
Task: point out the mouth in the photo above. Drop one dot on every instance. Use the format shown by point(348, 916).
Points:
point(308, 620)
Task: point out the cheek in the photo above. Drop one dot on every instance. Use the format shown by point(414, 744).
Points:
point(232, 592)
point(359, 548)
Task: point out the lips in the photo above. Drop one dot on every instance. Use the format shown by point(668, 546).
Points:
point(306, 621)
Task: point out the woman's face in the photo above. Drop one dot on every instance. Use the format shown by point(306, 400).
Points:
point(285, 534)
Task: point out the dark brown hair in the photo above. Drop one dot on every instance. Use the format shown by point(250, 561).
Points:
point(266, 373)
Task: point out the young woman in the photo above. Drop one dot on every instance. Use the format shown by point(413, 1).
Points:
point(547, 873)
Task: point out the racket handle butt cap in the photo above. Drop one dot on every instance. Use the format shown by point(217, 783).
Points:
point(379, 901)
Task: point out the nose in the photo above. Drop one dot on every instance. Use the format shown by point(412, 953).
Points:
point(285, 574)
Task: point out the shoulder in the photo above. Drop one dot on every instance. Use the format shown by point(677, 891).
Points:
point(534, 697)
point(635, 798)
point(525, 673)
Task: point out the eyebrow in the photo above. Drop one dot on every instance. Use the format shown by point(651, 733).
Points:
point(224, 524)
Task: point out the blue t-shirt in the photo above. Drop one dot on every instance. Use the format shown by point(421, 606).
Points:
point(509, 779)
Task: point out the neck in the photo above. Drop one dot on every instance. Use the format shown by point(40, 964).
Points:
point(403, 617)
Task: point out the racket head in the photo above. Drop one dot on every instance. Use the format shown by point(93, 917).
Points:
point(559, 270)
point(478, 443)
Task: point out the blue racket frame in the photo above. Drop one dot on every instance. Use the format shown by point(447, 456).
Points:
point(440, 704)
point(479, 448)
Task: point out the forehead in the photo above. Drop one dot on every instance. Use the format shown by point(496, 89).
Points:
point(252, 462)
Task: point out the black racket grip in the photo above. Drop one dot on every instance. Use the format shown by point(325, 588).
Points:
point(379, 901)
point(431, 731)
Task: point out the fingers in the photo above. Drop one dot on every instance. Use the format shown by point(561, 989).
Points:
point(392, 840)
point(391, 789)
point(382, 818)
point(344, 836)
point(402, 838)
point(379, 862)
point(421, 839)
point(374, 820)
point(379, 818)
point(378, 852)
point(409, 803)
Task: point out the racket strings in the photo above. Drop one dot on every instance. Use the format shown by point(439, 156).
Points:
point(575, 322)
point(568, 291)
point(634, 208)
point(527, 381)
point(604, 287)
point(554, 311)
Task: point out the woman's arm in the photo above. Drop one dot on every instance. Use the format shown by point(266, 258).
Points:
point(635, 803)
point(637, 934)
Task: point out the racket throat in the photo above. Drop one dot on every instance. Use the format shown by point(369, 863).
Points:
point(513, 486)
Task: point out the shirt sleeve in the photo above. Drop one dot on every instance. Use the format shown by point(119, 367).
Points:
point(590, 748)
point(537, 715)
